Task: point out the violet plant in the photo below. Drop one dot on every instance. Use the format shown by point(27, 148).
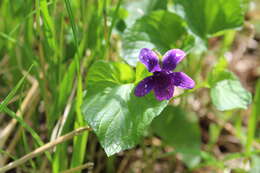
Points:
point(98, 89)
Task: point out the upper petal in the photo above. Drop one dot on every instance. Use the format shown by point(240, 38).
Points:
point(150, 59)
point(144, 87)
point(182, 80)
point(171, 58)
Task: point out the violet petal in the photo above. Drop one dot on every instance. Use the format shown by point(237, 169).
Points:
point(164, 94)
point(163, 87)
point(182, 80)
point(150, 59)
point(144, 87)
point(171, 58)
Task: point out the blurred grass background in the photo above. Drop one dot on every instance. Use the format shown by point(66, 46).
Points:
point(46, 48)
point(43, 36)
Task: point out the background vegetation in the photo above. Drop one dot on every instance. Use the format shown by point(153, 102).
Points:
point(68, 69)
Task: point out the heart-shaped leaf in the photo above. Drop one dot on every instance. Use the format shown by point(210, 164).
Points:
point(207, 17)
point(138, 8)
point(226, 90)
point(230, 94)
point(159, 29)
point(116, 115)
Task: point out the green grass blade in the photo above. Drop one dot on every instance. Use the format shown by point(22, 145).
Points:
point(253, 119)
point(35, 136)
point(48, 27)
point(11, 95)
point(114, 17)
point(73, 25)
point(79, 144)
point(27, 148)
point(8, 154)
point(7, 37)
point(75, 35)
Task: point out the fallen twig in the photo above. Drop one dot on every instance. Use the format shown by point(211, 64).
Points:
point(44, 148)
point(78, 168)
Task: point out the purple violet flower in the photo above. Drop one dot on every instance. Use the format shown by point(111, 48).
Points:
point(163, 79)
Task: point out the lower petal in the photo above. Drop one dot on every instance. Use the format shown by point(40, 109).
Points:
point(164, 93)
point(144, 87)
point(182, 80)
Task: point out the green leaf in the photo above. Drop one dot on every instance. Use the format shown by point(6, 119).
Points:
point(117, 116)
point(226, 90)
point(141, 72)
point(114, 72)
point(159, 29)
point(138, 8)
point(207, 17)
point(178, 128)
point(255, 168)
point(230, 94)
point(220, 72)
